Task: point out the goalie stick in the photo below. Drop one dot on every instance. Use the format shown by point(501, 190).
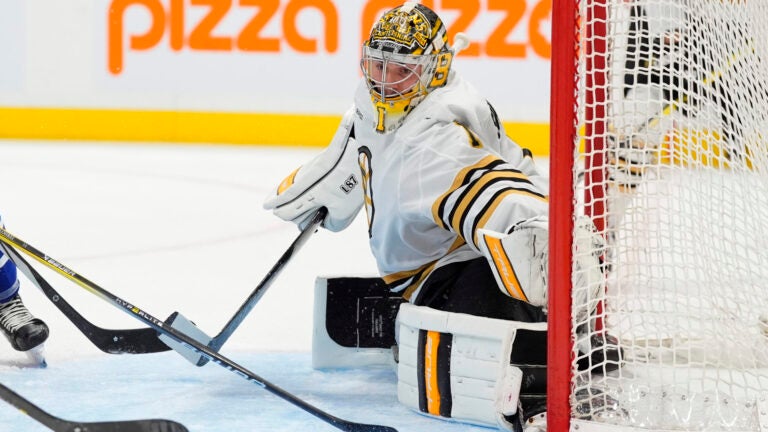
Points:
point(128, 341)
point(183, 338)
point(179, 322)
point(60, 425)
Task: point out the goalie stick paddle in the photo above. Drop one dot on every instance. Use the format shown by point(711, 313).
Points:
point(128, 341)
point(60, 425)
point(183, 338)
point(218, 341)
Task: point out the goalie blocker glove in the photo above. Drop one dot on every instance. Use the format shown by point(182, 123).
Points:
point(330, 180)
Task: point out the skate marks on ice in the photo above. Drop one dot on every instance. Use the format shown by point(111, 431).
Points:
point(34, 358)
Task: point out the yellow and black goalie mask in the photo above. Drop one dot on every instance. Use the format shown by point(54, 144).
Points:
point(406, 57)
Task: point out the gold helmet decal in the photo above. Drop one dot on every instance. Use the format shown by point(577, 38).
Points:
point(403, 29)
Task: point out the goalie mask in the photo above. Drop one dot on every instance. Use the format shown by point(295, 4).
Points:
point(404, 59)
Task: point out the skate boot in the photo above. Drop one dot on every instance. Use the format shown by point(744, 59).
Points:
point(23, 331)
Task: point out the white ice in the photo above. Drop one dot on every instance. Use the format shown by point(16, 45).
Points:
point(180, 228)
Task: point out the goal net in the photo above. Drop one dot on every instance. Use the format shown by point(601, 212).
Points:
point(660, 135)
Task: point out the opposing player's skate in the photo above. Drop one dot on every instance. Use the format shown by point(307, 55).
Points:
point(24, 331)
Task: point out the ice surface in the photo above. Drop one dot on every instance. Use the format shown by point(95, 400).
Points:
point(176, 227)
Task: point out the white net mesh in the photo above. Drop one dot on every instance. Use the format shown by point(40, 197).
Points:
point(677, 133)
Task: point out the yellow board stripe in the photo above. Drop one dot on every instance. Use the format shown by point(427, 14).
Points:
point(201, 127)
point(167, 126)
point(504, 268)
point(430, 372)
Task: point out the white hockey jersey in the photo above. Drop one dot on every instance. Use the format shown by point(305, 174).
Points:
point(448, 171)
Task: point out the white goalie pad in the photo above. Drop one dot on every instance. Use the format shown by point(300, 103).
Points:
point(354, 322)
point(457, 366)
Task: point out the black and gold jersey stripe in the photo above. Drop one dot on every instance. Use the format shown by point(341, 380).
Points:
point(476, 193)
point(408, 281)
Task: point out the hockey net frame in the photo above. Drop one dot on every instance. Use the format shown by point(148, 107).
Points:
point(581, 133)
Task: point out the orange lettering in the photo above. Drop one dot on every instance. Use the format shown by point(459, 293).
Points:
point(469, 10)
point(541, 45)
point(250, 38)
point(177, 25)
point(497, 46)
point(201, 37)
point(302, 44)
point(138, 42)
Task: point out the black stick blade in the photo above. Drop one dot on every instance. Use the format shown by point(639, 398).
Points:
point(61, 425)
point(124, 341)
point(360, 427)
point(152, 425)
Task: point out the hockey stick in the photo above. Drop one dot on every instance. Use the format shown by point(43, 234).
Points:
point(218, 341)
point(60, 425)
point(259, 291)
point(180, 322)
point(183, 338)
point(129, 341)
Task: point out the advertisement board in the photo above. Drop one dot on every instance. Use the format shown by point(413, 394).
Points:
point(180, 70)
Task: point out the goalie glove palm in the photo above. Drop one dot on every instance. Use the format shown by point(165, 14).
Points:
point(519, 260)
point(330, 180)
point(520, 263)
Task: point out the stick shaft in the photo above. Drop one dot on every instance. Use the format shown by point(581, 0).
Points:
point(180, 337)
point(218, 341)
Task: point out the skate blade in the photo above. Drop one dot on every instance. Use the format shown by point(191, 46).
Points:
point(37, 356)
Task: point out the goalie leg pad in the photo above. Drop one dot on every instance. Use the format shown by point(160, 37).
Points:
point(468, 368)
point(354, 322)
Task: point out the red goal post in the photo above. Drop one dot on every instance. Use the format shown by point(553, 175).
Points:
point(563, 135)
